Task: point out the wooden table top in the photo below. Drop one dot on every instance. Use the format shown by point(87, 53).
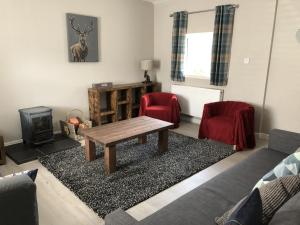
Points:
point(114, 133)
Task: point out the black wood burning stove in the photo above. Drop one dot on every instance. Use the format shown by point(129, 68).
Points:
point(37, 125)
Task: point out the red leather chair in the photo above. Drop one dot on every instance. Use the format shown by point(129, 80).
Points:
point(160, 105)
point(229, 122)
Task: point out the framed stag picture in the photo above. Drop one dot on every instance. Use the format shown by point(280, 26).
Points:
point(82, 38)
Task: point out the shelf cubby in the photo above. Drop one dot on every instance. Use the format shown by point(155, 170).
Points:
point(118, 102)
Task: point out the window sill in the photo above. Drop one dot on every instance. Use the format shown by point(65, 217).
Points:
point(196, 82)
point(197, 77)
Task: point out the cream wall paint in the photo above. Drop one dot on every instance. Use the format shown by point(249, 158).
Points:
point(282, 105)
point(34, 67)
point(275, 96)
point(252, 38)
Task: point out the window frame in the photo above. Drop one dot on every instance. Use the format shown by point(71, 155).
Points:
point(193, 76)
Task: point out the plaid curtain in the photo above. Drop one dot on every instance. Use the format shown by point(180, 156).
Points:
point(222, 44)
point(180, 24)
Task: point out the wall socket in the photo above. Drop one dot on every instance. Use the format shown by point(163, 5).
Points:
point(246, 60)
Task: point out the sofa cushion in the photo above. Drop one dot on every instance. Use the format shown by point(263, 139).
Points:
point(213, 198)
point(289, 213)
point(246, 212)
point(276, 193)
point(272, 196)
point(288, 166)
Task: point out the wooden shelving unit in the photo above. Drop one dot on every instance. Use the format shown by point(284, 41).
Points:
point(119, 102)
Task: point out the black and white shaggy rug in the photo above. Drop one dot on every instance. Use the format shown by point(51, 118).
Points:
point(142, 171)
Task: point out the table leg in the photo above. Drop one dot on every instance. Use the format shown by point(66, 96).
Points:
point(163, 137)
point(90, 150)
point(142, 139)
point(109, 159)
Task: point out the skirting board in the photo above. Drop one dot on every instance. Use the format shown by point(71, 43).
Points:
point(190, 119)
point(263, 136)
point(8, 143)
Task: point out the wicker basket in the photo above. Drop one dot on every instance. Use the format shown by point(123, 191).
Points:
point(69, 129)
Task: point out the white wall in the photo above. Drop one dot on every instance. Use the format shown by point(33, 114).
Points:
point(34, 67)
point(252, 38)
point(282, 108)
point(252, 35)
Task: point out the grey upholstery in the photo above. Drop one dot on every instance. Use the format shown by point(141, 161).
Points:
point(216, 196)
point(18, 204)
point(119, 217)
point(289, 213)
point(284, 141)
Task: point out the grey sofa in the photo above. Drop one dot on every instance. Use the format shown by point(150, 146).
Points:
point(18, 204)
point(212, 199)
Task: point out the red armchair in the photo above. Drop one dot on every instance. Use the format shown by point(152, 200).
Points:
point(229, 122)
point(160, 105)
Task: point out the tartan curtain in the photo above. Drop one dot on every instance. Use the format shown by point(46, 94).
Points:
point(221, 49)
point(180, 24)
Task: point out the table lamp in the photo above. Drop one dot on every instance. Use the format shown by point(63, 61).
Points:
point(147, 65)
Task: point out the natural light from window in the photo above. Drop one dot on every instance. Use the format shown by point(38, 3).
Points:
point(197, 61)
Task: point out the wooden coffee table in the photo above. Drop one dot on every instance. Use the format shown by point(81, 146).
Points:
point(111, 134)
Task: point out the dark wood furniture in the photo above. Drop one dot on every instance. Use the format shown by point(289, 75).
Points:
point(2, 151)
point(117, 102)
point(111, 134)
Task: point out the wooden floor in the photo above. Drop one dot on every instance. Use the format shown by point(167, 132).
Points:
point(59, 206)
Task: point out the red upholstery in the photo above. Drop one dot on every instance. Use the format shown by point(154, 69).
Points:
point(229, 122)
point(160, 105)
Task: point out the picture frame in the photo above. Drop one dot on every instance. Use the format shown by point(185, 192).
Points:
point(82, 32)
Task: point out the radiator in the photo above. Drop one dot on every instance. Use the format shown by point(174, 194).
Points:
point(192, 99)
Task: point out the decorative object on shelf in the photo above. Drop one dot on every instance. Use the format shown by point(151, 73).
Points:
point(118, 102)
point(74, 124)
point(147, 65)
point(102, 85)
point(82, 38)
point(2, 151)
point(36, 125)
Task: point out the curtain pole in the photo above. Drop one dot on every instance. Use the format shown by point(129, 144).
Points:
point(207, 10)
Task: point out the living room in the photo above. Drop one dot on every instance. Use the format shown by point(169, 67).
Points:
point(127, 41)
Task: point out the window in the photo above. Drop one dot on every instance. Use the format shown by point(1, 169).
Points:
point(197, 61)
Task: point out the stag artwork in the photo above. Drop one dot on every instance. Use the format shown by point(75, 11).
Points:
point(80, 50)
